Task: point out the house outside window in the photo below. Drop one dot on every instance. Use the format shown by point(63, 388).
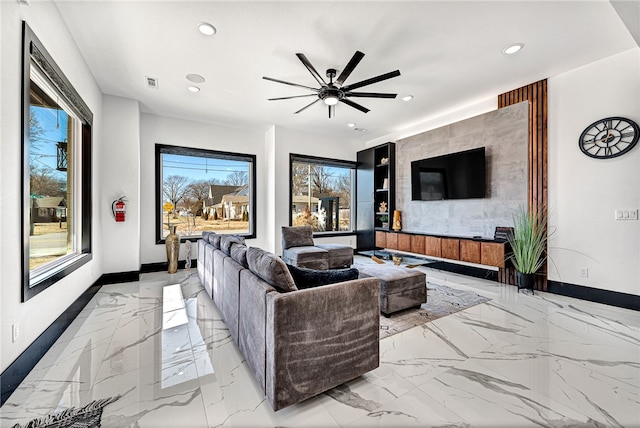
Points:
point(205, 190)
point(322, 194)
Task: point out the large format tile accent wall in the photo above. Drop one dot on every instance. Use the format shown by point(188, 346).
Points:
point(504, 134)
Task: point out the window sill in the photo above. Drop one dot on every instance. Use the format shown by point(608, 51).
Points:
point(45, 279)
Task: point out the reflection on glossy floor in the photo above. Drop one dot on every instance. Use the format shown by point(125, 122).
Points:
point(517, 360)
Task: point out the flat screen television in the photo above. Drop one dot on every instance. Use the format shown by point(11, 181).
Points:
point(458, 175)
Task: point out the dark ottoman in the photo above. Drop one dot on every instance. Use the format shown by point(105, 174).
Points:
point(340, 256)
point(400, 287)
point(309, 257)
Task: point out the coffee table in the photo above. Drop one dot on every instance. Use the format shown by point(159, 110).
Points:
point(409, 261)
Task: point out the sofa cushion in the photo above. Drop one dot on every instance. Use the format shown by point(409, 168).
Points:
point(296, 236)
point(239, 254)
point(271, 269)
point(309, 278)
point(227, 240)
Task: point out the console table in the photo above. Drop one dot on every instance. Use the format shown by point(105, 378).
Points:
point(488, 252)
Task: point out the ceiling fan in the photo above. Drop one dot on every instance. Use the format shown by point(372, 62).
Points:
point(334, 92)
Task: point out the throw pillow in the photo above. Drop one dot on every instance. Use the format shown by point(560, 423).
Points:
point(227, 240)
point(309, 278)
point(214, 239)
point(297, 236)
point(271, 269)
point(239, 254)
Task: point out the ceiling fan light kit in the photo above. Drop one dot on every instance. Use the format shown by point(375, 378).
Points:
point(334, 92)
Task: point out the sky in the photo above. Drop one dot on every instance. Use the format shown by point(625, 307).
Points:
point(200, 168)
point(54, 125)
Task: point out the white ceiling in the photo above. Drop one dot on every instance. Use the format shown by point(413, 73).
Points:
point(449, 54)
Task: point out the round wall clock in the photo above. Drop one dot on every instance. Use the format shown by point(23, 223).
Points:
point(609, 138)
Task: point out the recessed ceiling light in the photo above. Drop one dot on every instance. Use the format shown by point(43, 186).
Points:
point(206, 29)
point(510, 50)
point(407, 98)
point(193, 89)
point(351, 125)
point(195, 78)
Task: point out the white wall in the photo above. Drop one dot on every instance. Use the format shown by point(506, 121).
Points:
point(272, 150)
point(35, 315)
point(120, 157)
point(288, 141)
point(269, 177)
point(584, 192)
point(177, 132)
point(442, 118)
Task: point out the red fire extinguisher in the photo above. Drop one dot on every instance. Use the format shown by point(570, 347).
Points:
point(118, 208)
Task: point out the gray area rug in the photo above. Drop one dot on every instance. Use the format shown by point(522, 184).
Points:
point(88, 416)
point(441, 301)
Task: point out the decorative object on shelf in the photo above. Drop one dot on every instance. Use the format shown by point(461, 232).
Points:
point(385, 183)
point(528, 244)
point(383, 207)
point(397, 260)
point(172, 243)
point(187, 254)
point(609, 137)
point(384, 161)
point(397, 222)
point(384, 219)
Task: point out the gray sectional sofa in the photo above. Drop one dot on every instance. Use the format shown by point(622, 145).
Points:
point(297, 342)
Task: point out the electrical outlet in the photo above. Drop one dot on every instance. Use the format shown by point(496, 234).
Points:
point(584, 272)
point(15, 332)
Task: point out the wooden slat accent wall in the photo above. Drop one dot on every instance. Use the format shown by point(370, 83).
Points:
point(536, 95)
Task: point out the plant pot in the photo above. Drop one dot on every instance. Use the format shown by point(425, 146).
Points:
point(525, 280)
point(385, 225)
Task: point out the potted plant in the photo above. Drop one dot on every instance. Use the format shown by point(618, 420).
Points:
point(384, 219)
point(528, 244)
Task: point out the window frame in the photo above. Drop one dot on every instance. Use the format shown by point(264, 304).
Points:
point(294, 157)
point(192, 151)
point(35, 54)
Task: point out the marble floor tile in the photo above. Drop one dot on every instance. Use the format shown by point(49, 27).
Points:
point(520, 359)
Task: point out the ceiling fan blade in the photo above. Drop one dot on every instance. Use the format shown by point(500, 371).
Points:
point(295, 96)
point(353, 62)
point(372, 80)
point(312, 70)
point(289, 83)
point(354, 105)
point(307, 106)
point(332, 111)
point(369, 95)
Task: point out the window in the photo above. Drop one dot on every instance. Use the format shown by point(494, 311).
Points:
point(204, 190)
point(321, 193)
point(56, 183)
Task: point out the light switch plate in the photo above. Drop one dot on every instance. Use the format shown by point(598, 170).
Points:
point(626, 214)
